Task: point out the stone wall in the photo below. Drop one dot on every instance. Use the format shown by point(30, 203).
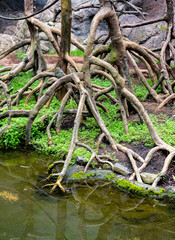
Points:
point(151, 36)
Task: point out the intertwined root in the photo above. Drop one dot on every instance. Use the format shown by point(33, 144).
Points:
point(133, 157)
point(120, 50)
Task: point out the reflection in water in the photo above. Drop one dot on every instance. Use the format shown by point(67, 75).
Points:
point(9, 196)
point(96, 212)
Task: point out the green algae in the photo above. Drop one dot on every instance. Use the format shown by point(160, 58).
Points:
point(121, 184)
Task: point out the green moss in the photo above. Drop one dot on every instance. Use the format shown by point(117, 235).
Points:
point(91, 174)
point(99, 174)
point(78, 175)
point(122, 184)
point(113, 56)
point(58, 178)
point(171, 193)
point(162, 191)
point(50, 166)
point(109, 175)
point(81, 174)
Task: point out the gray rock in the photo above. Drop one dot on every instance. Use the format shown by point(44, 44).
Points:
point(80, 160)
point(143, 185)
point(121, 169)
point(150, 36)
point(170, 188)
point(21, 32)
point(148, 178)
point(138, 3)
point(5, 42)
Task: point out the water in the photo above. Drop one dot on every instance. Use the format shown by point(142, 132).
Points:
point(97, 212)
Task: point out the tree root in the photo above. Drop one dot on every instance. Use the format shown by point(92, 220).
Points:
point(82, 91)
point(100, 139)
point(169, 98)
point(94, 156)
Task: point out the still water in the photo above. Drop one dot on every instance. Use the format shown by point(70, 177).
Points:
point(99, 212)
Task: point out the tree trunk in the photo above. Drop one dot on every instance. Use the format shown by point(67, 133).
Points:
point(66, 21)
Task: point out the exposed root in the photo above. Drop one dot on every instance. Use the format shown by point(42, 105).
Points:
point(162, 61)
point(15, 47)
point(33, 91)
point(79, 87)
point(56, 184)
point(94, 156)
point(102, 106)
point(169, 98)
point(164, 169)
point(100, 139)
point(152, 92)
point(7, 93)
point(48, 129)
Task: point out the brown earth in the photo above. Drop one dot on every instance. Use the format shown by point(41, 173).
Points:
point(51, 60)
point(150, 105)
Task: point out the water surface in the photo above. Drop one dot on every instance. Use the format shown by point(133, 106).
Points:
point(99, 212)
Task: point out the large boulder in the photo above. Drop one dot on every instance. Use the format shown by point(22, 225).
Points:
point(150, 36)
point(5, 42)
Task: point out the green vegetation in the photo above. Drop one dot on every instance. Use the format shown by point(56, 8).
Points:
point(78, 175)
point(77, 53)
point(20, 55)
point(15, 135)
point(122, 184)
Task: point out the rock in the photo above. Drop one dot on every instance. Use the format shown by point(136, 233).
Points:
point(5, 42)
point(22, 31)
point(143, 185)
point(121, 169)
point(148, 178)
point(151, 36)
point(138, 3)
point(170, 190)
point(80, 160)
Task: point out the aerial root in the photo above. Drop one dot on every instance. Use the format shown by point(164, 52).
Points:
point(152, 92)
point(169, 98)
point(134, 165)
point(102, 107)
point(49, 177)
point(5, 69)
point(14, 47)
point(164, 169)
point(3, 130)
point(148, 159)
point(34, 91)
point(100, 139)
point(53, 165)
point(84, 96)
point(57, 183)
point(48, 129)
point(94, 156)
point(134, 156)
point(61, 110)
point(103, 91)
point(8, 97)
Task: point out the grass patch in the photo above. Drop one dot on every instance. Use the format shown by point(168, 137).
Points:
point(77, 53)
